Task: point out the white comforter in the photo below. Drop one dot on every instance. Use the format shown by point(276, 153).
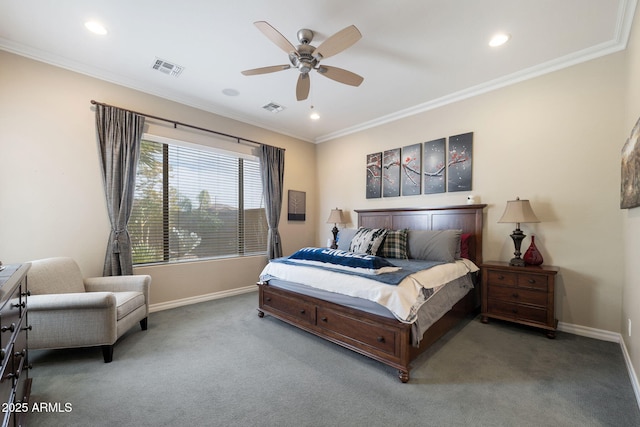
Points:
point(402, 300)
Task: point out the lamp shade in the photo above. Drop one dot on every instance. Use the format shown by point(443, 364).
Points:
point(518, 211)
point(335, 217)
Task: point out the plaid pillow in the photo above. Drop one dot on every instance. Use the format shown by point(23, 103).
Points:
point(394, 245)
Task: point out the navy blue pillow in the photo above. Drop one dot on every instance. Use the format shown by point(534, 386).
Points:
point(343, 258)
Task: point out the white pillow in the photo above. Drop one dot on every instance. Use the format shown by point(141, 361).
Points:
point(344, 238)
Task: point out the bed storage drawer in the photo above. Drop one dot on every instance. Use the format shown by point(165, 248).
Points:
point(359, 333)
point(273, 300)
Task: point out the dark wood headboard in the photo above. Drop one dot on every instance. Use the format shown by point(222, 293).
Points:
point(468, 218)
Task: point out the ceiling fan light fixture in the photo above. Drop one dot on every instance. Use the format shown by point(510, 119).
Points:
point(305, 57)
point(499, 39)
point(314, 114)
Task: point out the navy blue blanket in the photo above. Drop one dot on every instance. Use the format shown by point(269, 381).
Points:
point(343, 258)
point(407, 267)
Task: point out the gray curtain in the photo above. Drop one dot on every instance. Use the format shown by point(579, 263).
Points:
point(119, 133)
point(272, 165)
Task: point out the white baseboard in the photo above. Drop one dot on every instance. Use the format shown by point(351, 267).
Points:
point(600, 334)
point(585, 331)
point(632, 372)
point(200, 298)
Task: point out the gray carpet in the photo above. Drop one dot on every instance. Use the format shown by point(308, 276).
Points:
point(218, 364)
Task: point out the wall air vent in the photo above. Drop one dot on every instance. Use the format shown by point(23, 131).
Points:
point(273, 107)
point(168, 68)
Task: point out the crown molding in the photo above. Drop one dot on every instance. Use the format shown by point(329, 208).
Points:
point(624, 23)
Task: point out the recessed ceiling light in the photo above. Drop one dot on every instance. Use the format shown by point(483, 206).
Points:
point(499, 39)
point(230, 92)
point(95, 27)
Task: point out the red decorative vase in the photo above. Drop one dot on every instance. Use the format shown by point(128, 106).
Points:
point(532, 256)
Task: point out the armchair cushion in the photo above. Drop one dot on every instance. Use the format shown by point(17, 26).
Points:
point(56, 276)
point(127, 303)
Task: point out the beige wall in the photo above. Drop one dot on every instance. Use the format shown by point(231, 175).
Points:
point(51, 195)
point(631, 223)
point(555, 140)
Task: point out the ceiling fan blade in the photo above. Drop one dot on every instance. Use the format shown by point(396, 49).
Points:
point(275, 36)
point(337, 42)
point(302, 88)
point(340, 75)
point(265, 70)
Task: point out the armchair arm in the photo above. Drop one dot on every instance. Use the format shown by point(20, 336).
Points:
point(71, 301)
point(136, 282)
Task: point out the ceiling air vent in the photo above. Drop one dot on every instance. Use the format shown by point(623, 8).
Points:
point(168, 68)
point(273, 107)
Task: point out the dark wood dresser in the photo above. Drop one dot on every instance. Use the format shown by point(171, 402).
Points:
point(15, 384)
point(524, 295)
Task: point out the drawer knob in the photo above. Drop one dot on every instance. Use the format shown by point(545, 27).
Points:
point(23, 304)
point(324, 319)
point(268, 298)
point(8, 328)
point(27, 328)
point(515, 311)
point(380, 339)
point(515, 295)
point(532, 281)
point(302, 311)
point(501, 277)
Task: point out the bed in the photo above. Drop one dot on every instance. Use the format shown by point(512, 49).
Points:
point(366, 327)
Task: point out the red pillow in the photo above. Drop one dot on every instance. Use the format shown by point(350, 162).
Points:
point(464, 245)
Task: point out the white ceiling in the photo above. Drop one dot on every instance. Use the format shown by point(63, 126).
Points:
point(413, 55)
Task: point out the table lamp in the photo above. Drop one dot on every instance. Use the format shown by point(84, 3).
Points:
point(336, 218)
point(518, 211)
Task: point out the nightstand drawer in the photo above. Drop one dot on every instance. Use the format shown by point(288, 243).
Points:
point(517, 295)
point(504, 278)
point(533, 281)
point(517, 311)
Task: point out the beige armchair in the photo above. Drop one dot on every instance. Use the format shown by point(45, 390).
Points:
point(66, 310)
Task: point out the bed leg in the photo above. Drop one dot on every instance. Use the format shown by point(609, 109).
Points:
point(260, 313)
point(403, 375)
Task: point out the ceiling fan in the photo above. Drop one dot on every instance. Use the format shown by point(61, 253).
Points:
point(306, 57)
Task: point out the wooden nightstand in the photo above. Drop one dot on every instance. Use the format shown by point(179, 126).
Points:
point(523, 295)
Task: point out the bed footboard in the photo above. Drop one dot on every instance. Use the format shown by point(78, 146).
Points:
point(382, 339)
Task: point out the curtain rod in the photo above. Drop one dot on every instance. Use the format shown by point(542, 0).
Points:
point(176, 124)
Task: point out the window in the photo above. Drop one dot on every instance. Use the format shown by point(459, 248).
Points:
point(193, 204)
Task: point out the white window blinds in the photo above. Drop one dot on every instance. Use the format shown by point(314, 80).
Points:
point(192, 204)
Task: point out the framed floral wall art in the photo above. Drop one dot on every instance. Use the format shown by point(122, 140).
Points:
point(459, 162)
point(411, 172)
point(391, 173)
point(435, 168)
point(374, 175)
